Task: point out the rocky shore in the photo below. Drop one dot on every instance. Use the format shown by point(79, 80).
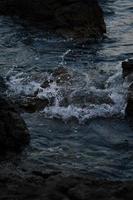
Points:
point(22, 182)
point(76, 19)
point(40, 185)
point(19, 182)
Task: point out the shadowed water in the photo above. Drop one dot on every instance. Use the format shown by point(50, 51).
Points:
point(97, 89)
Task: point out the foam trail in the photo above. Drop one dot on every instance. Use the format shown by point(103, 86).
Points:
point(63, 57)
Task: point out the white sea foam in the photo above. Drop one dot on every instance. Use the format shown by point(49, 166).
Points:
point(108, 102)
point(18, 87)
point(63, 57)
point(82, 114)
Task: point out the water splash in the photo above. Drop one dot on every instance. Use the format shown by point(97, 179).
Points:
point(77, 97)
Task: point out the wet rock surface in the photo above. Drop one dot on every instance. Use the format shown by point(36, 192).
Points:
point(59, 186)
point(32, 104)
point(61, 75)
point(78, 19)
point(3, 86)
point(128, 73)
point(129, 108)
point(13, 131)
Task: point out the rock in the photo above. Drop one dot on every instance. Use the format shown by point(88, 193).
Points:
point(3, 86)
point(59, 71)
point(33, 104)
point(129, 108)
point(73, 18)
point(57, 186)
point(46, 84)
point(127, 67)
point(84, 98)
point(61, 75)
point(13, 131)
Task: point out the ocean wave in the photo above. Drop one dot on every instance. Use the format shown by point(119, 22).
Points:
point(77, 97)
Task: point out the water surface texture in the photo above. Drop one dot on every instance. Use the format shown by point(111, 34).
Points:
point(95, 91)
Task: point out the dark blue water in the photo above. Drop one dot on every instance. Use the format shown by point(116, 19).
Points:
point(98, 140)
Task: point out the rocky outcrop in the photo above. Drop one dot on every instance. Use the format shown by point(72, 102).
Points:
point(32, 104)
point(13, 131)
point(129, 108)
point(73, 18)
point(127, 67)
point(39, 185)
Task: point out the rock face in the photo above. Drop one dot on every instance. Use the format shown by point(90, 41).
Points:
point(74, 18)
point(57, 186)
point(127, 67)
point(129, 108)
point(13, 132)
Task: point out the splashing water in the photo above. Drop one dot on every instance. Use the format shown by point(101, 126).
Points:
point(80, 97)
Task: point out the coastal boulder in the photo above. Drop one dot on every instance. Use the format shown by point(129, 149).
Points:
point(73, 18)
point(13, 131)
point(127, 67)
point(129, 108)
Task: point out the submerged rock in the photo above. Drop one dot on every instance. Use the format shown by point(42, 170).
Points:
point(78, 18)
point(13, 131)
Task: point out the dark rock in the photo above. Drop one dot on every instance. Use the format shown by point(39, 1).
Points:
point(129, 108)
point(74, 18)
point(61, 75)
point(86, 98)
point(13, 131)
point(127, 67)
point(56, 186)
point(3, 86)
point(33, 104)
point(46, 84)
point(59, 71)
